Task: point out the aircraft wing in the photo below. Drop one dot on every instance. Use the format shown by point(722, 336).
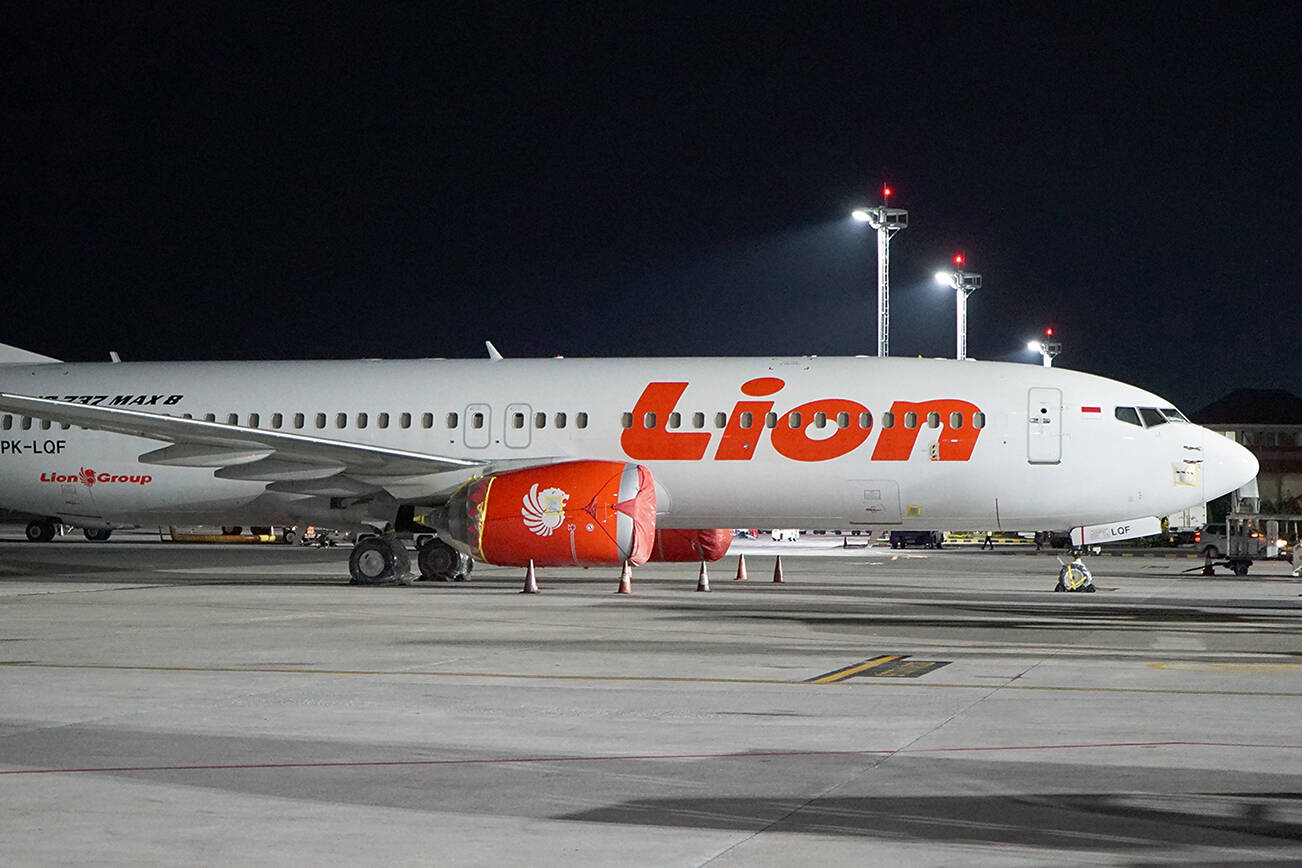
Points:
point(288, 461)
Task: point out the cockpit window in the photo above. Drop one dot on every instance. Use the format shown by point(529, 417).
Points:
point(1173, 414)
point(1129, 415)
point(1151, 417)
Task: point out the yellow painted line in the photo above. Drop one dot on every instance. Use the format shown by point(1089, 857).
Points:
point(672, 679)
point(842, 674)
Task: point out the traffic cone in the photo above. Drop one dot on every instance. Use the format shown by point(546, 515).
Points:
point(1207, 565)
point(530, 580)
point(741, 568)
point(703, 583)
point(625, 580)
point(778, 578)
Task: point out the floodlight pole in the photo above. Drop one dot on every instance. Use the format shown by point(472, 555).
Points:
point(886, 221)
point(964, 283)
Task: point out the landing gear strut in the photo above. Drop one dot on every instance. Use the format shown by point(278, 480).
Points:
point(440, 562)
point(1075, 576)
point(380, 560)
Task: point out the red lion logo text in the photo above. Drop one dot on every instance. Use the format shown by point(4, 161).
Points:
point(88, 477)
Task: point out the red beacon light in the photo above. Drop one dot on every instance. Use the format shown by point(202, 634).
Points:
point(887, 192)
point(1048, 332)
point(958, 259)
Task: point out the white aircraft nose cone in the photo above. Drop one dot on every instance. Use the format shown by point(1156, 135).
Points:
point(1227, 466)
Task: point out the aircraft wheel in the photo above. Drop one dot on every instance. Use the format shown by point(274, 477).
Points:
point(97, 534)
point(233, 531)
point(290, 537)
point(380, 561)
point(1059, 587)
point(440, 562)
point(40, 530)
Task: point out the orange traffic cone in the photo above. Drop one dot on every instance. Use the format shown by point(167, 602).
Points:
point(625, 580)
point(777, 571)
point(1207, 565)
point(703, 583)
point(530, 580)
point(741, 568)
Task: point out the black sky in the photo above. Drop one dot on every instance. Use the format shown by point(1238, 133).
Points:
point(191, 181)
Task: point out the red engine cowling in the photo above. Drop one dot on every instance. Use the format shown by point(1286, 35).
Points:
point(683, 545)
point(577, 513)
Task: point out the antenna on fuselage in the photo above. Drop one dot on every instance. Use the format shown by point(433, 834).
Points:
point(492, 351)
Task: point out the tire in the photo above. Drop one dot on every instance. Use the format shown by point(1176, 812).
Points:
point(40, 530)
point(440, 562)
point(290, 537)
point(380, 561)
point(1211, 551)
point(235, 530)
point(97, 534)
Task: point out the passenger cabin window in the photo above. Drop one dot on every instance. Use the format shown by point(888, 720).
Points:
point(277, 419)
point(933, 420)
point(382, 420)
point(7, 422)
point(427, 420)
point(698, 420)
point(747, 419)
point(1129, 415)
point(956, 420)
point(341, 420)
point(452, 420)
point(675, 420)
point(794, 420)
point(720, 420)
point(254, 419)
point(843, 419)
point(910, 419)
point(978, 420)
point(865, 420)
point(540, 420)
point(820, 420)
point(477, 420)
point(320, 420)
point(648, 420)
point(362, 420)
point(888, 419)
point(517, 421)
point(210, 417)
point(560, 420)
point(581, 420)
point(404, 421)
point(626, 420)
point(770, 420)
point(1151, 417)
point(27, 423)
point(45, 424)
point(232, 419)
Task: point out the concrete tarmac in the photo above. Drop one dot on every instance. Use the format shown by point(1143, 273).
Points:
point(172, 704)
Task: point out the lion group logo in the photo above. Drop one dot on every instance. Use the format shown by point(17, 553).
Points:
point(86, 477)
point(543, 511)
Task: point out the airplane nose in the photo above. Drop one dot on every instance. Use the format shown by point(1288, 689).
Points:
point(1227, 466)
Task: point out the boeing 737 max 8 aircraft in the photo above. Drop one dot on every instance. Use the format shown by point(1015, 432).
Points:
point(594, 461)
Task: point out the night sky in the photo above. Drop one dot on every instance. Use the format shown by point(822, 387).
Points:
point(410, 179)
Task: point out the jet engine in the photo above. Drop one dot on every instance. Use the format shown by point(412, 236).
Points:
point(679, 544)
point(577, 513)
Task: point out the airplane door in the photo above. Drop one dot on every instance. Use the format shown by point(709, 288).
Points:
point(479, 425)
point(515, 426)
point(1044, 426)
point(871, 502)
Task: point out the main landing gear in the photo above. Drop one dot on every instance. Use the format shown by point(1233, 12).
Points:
point(380, 560)
point(41, 529)
point(1075, 576)
point(440, 562)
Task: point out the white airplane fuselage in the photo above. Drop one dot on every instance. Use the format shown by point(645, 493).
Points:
point(730, 442)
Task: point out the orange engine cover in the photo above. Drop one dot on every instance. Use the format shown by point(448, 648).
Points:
point(675, 544)
point(578, 513)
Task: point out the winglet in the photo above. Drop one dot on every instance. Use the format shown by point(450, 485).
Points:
point(492, 351)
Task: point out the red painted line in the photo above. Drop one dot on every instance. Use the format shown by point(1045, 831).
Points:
point(1091, 409)
point(638, 757)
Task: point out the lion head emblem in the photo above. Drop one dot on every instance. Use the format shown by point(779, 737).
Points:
point(543, 511)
